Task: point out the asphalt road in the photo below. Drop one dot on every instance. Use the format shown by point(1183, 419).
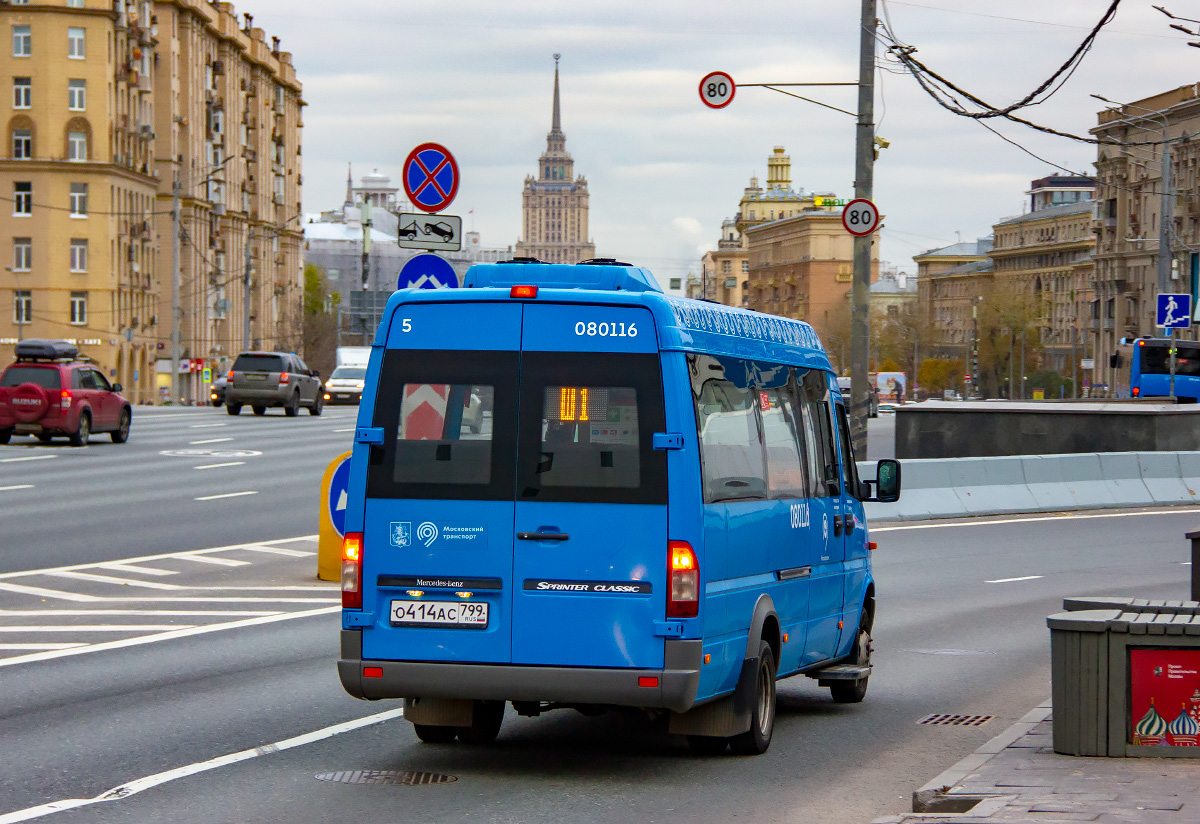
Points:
point(960, 629)
point(161, 491)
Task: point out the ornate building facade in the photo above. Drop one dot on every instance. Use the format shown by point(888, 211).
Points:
point(554, 205)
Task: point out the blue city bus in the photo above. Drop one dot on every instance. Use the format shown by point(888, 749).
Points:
point(660, 509)
point(1142, 368)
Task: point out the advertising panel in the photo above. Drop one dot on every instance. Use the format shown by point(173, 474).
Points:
point(1164, 699)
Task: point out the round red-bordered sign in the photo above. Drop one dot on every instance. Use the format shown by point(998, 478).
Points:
point(717, 90)
point(430, 177)
point(860, 217)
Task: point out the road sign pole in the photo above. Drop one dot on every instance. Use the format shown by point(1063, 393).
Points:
point(864, 172)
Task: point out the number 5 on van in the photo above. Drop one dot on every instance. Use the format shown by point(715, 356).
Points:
point(588, 495)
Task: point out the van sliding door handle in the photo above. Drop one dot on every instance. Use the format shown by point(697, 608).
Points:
point(543, 536)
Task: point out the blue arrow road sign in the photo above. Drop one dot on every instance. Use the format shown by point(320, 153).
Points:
point(338, 487)
point(1174, 311)
point(427, 272)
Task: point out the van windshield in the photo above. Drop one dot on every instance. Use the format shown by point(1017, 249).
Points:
point(349, 373)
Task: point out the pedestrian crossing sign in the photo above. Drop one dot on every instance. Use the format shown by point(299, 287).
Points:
point(1174, 311)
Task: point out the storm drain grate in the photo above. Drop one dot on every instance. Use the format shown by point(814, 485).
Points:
point(394, 777)
point(944, 720)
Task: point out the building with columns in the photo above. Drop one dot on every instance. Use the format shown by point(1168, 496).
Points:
point(554, 204)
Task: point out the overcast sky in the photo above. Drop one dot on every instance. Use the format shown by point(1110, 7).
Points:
point(381, 76)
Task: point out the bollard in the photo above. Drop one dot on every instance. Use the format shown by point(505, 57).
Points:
point(1194, 537)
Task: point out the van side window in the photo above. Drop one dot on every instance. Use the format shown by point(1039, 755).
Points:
point(437, 441)
point(849, 467)
point(731, 452)
point(782, 432)
point(818, 434)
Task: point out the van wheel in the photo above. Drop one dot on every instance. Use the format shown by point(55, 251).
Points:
point(433, 734)
point(81, 435)
point(707, 744)
point(485, 723)
point(233, 408)
point(762, 719)
point(852, 692)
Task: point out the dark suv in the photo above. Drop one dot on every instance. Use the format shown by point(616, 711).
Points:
point(262, 379)
point(48, 393)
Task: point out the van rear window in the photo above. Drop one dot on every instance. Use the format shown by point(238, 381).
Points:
point(440, 437)
point(44, 376)
point(590, 437)
point(258, 363)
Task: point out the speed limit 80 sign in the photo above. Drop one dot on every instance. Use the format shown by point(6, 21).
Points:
point(716, 90)
point(860, 217)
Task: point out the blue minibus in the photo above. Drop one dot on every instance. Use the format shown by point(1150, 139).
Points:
point(660, 509)
point(1142, 368)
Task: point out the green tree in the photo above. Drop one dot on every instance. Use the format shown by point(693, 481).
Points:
point(937, 374)
point(320, 320)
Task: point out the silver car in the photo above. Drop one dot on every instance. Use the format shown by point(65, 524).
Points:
point(263, 379)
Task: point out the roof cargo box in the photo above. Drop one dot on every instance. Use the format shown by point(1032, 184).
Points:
point(45, 349)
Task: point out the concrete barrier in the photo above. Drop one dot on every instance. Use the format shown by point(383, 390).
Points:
point(954, 487)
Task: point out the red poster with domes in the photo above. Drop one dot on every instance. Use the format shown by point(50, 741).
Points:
point(1164, 700)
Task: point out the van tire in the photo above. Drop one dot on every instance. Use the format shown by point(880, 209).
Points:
point(853, 692)
point(434, 734)
point(707, 744)
point(757, 739)
point(485, 723)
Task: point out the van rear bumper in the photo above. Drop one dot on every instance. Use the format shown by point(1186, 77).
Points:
point(678, 680)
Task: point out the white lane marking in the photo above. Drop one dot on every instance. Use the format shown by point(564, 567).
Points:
point(18, 486)
point(351, 429)
point(166, 636)
point(151, 781)
point(139, 570)
point(1185, 563)
point(41, 646)
point(162, 613)
point(28, 458)
point(18, 629)
point(204, 559)
point(186, 555)
point(1010, 580)
point(206, 425)
point(218, 466)
point(226, 495)
point(109, 579)
point(1062, 517)
point(275, 550)
point(48, 593)
point(209, 440)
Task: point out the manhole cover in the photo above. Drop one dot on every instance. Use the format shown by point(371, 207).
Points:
point(210, 453)
point(943, 720)
point(404, 777)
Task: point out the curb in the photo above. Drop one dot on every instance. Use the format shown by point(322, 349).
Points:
point(937, 799)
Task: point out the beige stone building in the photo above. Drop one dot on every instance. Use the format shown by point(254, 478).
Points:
point(554, 205)
point(77, 171)
point(950, 280)
point(1130, 214)
point(802, 267)
point(112, 101)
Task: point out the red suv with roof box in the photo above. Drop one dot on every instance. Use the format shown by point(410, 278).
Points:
point(47, 392)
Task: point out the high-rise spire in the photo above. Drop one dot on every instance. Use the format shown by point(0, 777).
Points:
point(349, 187)
point(556, 120)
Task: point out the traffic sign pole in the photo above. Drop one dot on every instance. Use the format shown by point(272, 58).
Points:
point(864, 178)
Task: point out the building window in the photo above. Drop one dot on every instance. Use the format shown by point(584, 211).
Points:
point(745, 267)
point(22, 306)
point(22, 92)
point(75, 42)
point(79, 249)
point(75, 4)
point(78, 308)
point(22, 144)
point(676, 283)
point(22, 254)
point(22, 41)
point(726, 267)
point(76, 95)
point(730, 283)
point(22, 198)
point(77, 146)
point(79, 193)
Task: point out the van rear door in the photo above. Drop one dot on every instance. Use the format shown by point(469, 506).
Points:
point(438, 528)
point(590, 556)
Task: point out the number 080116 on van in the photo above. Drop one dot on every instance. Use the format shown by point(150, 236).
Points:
point(569, 489)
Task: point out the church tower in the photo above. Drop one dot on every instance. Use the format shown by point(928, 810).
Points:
point(554, 204)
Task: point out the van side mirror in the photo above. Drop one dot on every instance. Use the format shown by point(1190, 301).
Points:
point(887, 481)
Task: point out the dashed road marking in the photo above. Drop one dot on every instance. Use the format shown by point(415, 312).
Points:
point(219, 465)
point(206, 559)
point(1011, 580)
point(42, 592)
point(15, 487)
point(209, 440)
point(138, 570)
point(28, 458)
point(109, 579)
point(206, 425)
point(1066, 516)
point(224, 495)
point(278, 550)
point(351, 429)
point(18, 629)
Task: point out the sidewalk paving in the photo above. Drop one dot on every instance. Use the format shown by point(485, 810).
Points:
point(1017, 777)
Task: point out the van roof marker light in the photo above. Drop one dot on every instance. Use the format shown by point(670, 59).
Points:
point(523, 291)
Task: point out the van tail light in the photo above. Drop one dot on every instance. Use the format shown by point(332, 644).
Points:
point(1137, 391)
point(283, 378)
point(683, 599)
point(352, 546)
point(65, 400)
point(523, 291)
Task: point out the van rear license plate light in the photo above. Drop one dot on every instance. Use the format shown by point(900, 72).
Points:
point(525, 291)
